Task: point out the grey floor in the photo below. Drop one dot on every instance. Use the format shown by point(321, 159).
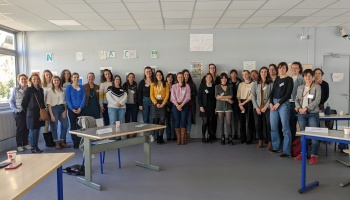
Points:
point(200, 171)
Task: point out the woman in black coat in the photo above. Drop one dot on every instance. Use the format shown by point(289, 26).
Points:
point(32, 101)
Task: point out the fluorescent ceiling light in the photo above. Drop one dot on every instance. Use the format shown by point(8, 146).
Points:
point(65, 22)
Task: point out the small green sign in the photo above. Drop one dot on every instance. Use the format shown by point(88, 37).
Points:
point(49, 57)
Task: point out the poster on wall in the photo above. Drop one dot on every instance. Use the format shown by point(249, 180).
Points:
point(154, 54)
point(129, 54)
point(102, 55)
point(49, 57)
point(201, 42)
point(249, 65)
point(196, 69)
point(79, 56)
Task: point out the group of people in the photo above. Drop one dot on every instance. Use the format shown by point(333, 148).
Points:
point(265, 104)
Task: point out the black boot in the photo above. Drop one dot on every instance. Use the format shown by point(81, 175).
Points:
point(51, 139)
point(48, 140)
point(208, 140)
point(75, 145)
point(203, 138)
point(230, 140)
point(36, 149)
point(223, 139)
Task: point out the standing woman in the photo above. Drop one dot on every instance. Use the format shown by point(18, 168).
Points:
point(92, 107)
point(279, 110)
point(261, 101)
point(57, 106)
point(298, 80)
point(244, 96)
point(144, 99)
point(19, 114)
point(106, 81)
point(324, 87)
point(307, 103)
point(180, 95)
point(235, 81)
point(169, 119)
point(66, 78)
point(32, 102)
point(216, 79)
point(223, 95)
point(75, 98)
point(132, 108)
point(206, 102)
point(191, 117)
point(159, 97)
point(46, 85)
point(116, 98)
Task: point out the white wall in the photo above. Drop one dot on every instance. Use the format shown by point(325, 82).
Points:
point(231, 48)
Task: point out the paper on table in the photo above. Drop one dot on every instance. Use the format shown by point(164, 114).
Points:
point(104, 131)
point(140, 125)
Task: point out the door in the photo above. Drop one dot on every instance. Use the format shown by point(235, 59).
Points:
point(338, 91)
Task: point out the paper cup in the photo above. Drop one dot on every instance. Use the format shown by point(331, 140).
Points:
point(117, 124)
point(11, 155)
point(346, 130)
point(341, 112)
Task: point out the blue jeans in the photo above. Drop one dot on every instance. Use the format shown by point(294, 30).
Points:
point(131, 112)
point(179, 116)
point(310, 120)
point(116, 114)
point(146, 112)
point(275, 115)
point(34, 137)
point(189, 122)
point(57, 112)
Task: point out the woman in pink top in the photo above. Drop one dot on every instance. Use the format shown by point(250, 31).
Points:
point(180, 95)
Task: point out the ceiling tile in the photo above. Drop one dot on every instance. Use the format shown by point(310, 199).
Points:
point(300, 12)
point(329, 12)
point(252, 25)
point(99, 22)
point(65, 1)
point(222, 26)
point(126, 28)
point(4, 17)
point(103, 1)
point(146, 15)
point(149, 21)
point(121, 22)
point(256, 20)
point(303, 25)
point(278, 25)
point(209, 14)
point(346, 24)
point(269, 13)
point(171, 6)
point(280, 4)
point(238, 13)
point(175, 27)
point(75, 28)
point(314, 19)
point(288, 19)
point(246, 5)
point(202, 26)
point(53, 15)
point(205, 20)
point(326, 24)
point(177, 14)
point(339, 20)
point(176, 0)
point(172, 21)
point(151, 6)
point(315, 3)
point(152, 27)
point(108, 7)
point(18, 25)
point(116, 15)
point(347, 14)
point(78, 7)
point(217, 5)
point(139, 1)
point(340, 4)
point(100, 28)
point(91, 15)
point(232, 20)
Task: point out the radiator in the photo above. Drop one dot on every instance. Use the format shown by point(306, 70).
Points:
point(7, 125)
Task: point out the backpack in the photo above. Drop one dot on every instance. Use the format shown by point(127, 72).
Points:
point(296, 147)
point(75, 170)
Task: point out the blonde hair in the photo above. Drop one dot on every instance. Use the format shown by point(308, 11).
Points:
point(31, 77)
point(44, 79)
point(53, 87)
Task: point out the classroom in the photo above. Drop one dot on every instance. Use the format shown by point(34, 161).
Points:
point(219, 159)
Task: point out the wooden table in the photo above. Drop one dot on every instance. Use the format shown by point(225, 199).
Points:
point(35, 167)
point(124, 129)
point(331, 136)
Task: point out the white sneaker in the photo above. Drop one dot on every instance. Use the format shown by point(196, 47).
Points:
point(20, 149)
point(27, 147)
point(152, 138)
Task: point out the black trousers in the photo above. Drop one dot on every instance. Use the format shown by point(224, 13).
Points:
point(261, 121)
point(21, 129)
point(105, 115)
point(247, 122)
point(74, 125)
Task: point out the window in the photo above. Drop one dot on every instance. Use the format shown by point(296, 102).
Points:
point(7, 66)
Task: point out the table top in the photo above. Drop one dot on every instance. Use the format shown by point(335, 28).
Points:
point(124, 129)
point(35, 167)
point(332, 134)
point(336, 116)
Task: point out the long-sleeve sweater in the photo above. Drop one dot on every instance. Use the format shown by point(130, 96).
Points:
point(75, 98)
point(115, 95)
point(313, 97)
point(286, 89)
point(163, 92)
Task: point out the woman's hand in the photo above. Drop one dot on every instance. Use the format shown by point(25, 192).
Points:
point(258, 111)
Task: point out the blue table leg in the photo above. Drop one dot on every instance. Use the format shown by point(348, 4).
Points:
point(59, 184)
point(305, 187)
point(119, 158)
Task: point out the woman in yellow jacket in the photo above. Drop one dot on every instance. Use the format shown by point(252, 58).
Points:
point(159, 94)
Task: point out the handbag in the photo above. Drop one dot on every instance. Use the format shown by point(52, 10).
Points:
point(43, 113)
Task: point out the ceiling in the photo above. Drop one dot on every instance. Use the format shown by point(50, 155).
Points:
point(34, 15)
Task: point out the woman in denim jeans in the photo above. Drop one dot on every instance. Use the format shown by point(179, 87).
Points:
point(57, 106)
point(279, 110)
point(116, 98)
point(144, 99)
point(307, 103)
